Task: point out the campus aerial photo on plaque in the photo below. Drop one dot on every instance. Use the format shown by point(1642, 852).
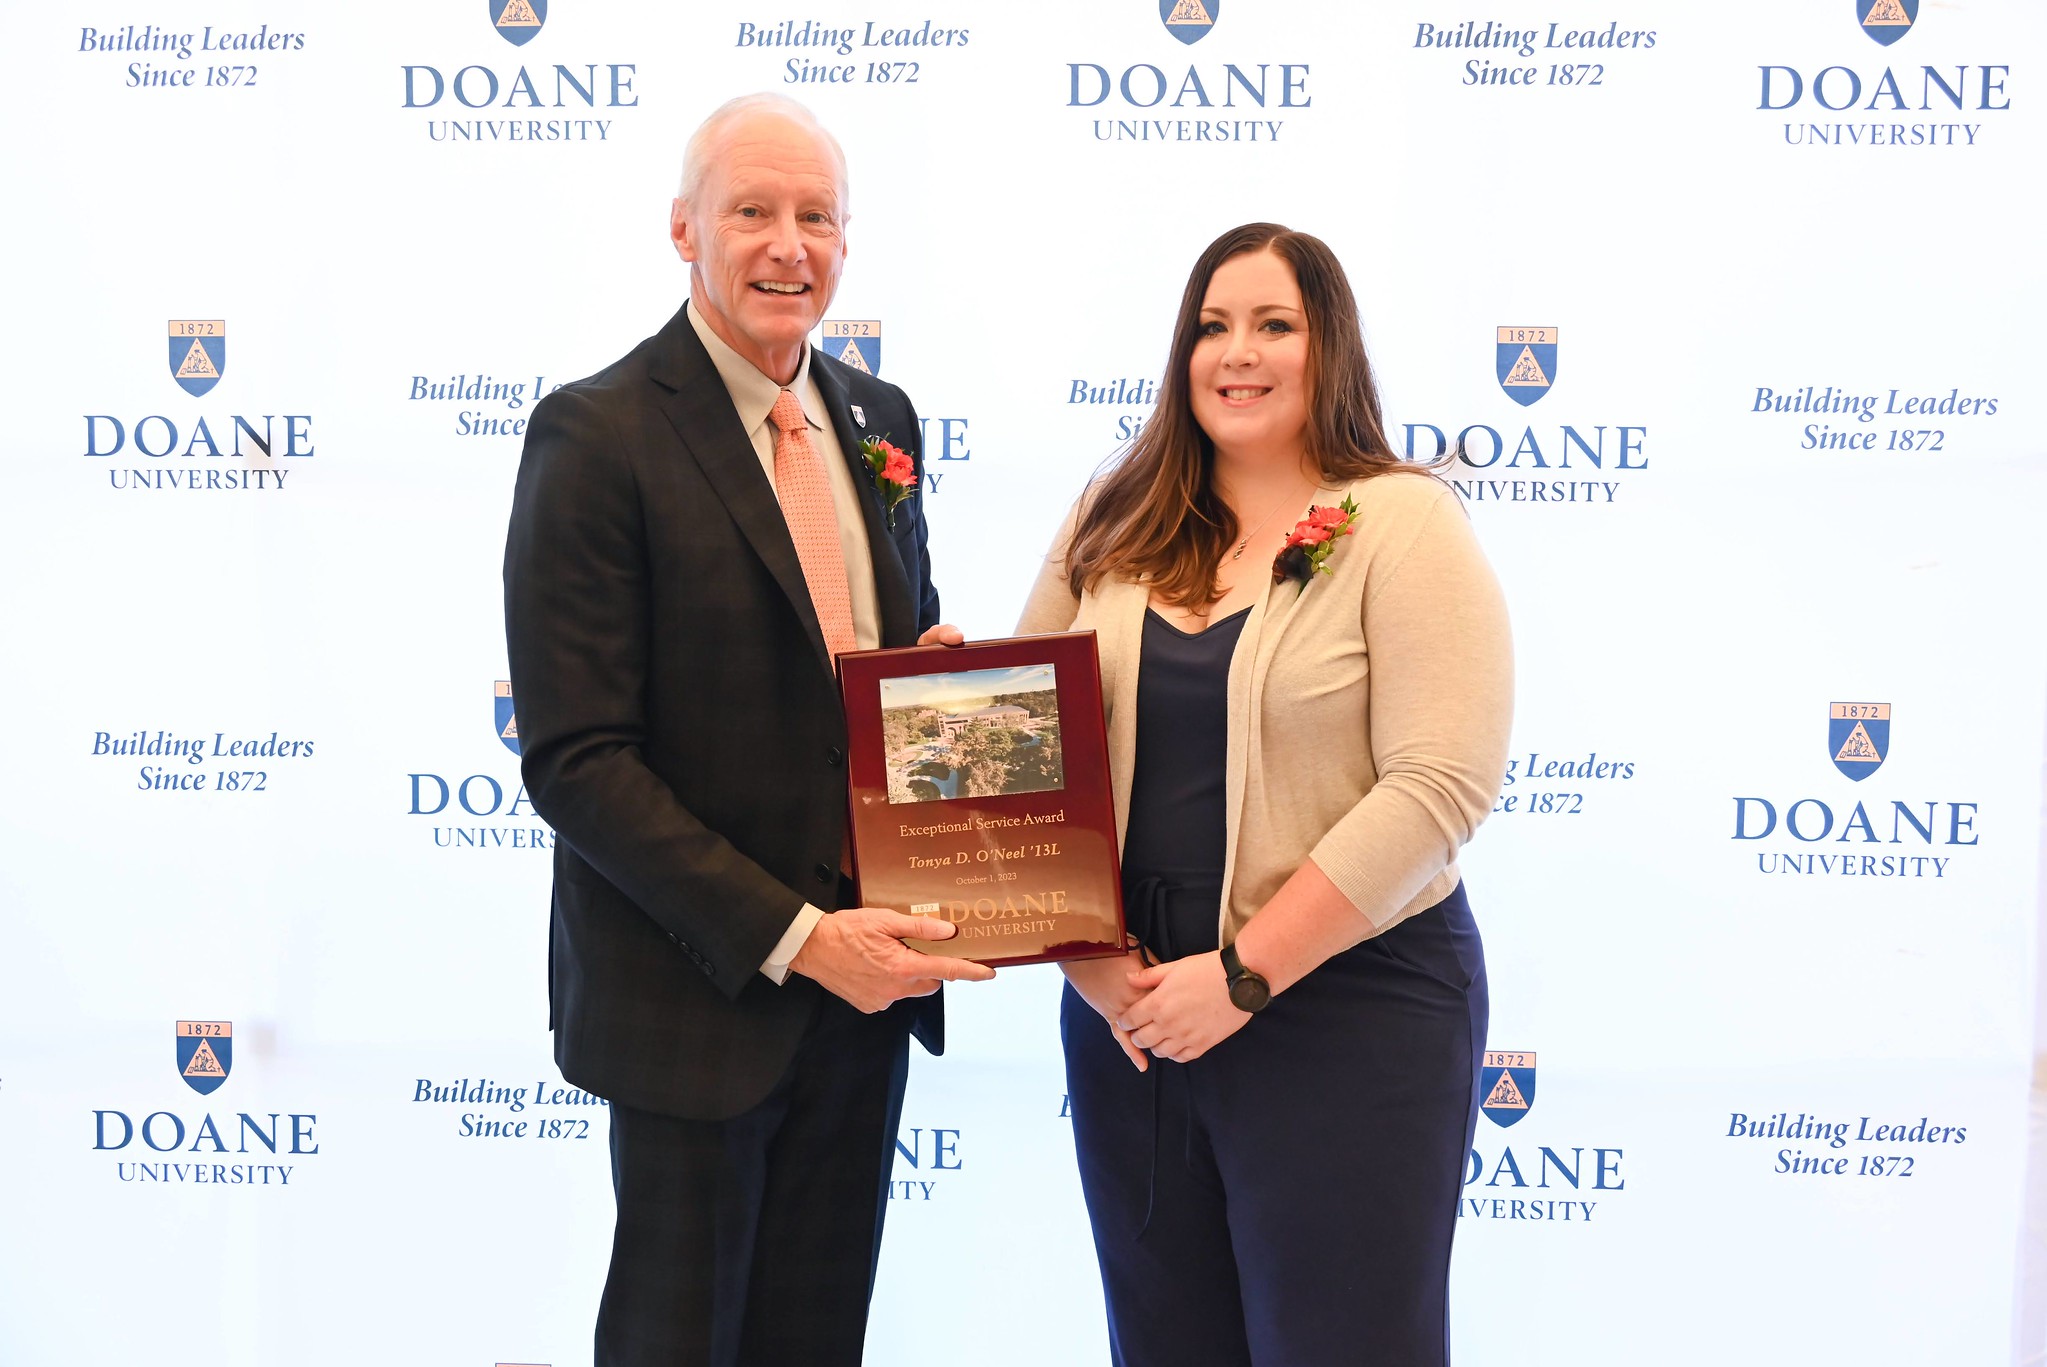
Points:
point(982, 733)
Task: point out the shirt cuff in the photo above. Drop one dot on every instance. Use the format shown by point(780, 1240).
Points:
point(785, 950)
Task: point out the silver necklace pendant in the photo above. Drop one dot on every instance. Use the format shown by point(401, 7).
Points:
point(1238, 554)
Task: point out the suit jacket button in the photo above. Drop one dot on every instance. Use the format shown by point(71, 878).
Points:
point(833, 756)
point(823, 872)
point(673, 938)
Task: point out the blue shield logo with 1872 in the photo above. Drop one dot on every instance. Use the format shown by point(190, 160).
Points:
point(1506, 1085)
point(1526, 361)
point(856, 342)
point(198, 353)
point(206, 1053)
point(1859, 737)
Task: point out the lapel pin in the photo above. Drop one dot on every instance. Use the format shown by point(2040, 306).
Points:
point(859, 416)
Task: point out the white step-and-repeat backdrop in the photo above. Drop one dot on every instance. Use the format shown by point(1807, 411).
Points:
point(1736, 309)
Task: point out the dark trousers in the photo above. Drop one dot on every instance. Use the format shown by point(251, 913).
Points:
point(752, 1242)
point(1288, 1199)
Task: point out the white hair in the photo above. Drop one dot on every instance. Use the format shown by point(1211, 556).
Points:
point(701, 149)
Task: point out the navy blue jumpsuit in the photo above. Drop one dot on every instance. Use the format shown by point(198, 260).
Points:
point(1288, 1199)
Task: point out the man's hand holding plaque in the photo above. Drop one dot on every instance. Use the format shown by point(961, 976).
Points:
point(981, 798)
point(863, 955)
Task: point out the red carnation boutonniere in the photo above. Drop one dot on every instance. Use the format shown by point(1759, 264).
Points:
point(1313, 541)
point(895, 474)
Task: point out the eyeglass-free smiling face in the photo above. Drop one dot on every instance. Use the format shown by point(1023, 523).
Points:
point(765, 239)
point(1248, 374)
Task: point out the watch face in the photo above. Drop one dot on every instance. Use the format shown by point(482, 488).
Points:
point(1249, 993)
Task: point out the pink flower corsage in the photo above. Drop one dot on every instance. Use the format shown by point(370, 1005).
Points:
point(1313, 541)
point(895, 474)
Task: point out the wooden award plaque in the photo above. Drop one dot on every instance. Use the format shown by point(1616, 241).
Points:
point(980, 794)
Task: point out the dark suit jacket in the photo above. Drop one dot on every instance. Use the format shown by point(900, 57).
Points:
point(679, 719)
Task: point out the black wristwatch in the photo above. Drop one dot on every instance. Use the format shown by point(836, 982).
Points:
point(1248, 991)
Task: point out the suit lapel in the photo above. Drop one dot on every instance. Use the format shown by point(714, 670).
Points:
point(700, 410)
point(891, 580)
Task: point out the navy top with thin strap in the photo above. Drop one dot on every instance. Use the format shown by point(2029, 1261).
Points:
point(1173, 843)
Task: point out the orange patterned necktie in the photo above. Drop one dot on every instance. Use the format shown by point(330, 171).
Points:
point(805, 493)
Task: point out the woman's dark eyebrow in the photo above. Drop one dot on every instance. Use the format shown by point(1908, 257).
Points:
point(1262, 308)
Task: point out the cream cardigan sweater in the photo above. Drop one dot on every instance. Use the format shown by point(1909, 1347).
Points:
point(1368, 715)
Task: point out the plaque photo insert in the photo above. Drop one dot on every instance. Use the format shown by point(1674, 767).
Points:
point(981, 733)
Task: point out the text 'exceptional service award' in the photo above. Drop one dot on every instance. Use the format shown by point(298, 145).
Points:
point(980, 795)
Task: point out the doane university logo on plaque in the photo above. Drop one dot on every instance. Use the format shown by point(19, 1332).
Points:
point(206, 1053)
point(1506, 1085)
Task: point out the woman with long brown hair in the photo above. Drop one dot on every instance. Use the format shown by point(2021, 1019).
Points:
point(1308, 678)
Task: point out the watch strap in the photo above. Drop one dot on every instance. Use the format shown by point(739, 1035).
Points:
point(1248, 991)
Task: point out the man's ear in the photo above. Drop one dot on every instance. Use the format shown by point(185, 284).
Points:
point(680, 231)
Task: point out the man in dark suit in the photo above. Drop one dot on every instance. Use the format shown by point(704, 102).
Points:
point(694, 536)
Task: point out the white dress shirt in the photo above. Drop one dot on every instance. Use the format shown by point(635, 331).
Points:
point(753, 396)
